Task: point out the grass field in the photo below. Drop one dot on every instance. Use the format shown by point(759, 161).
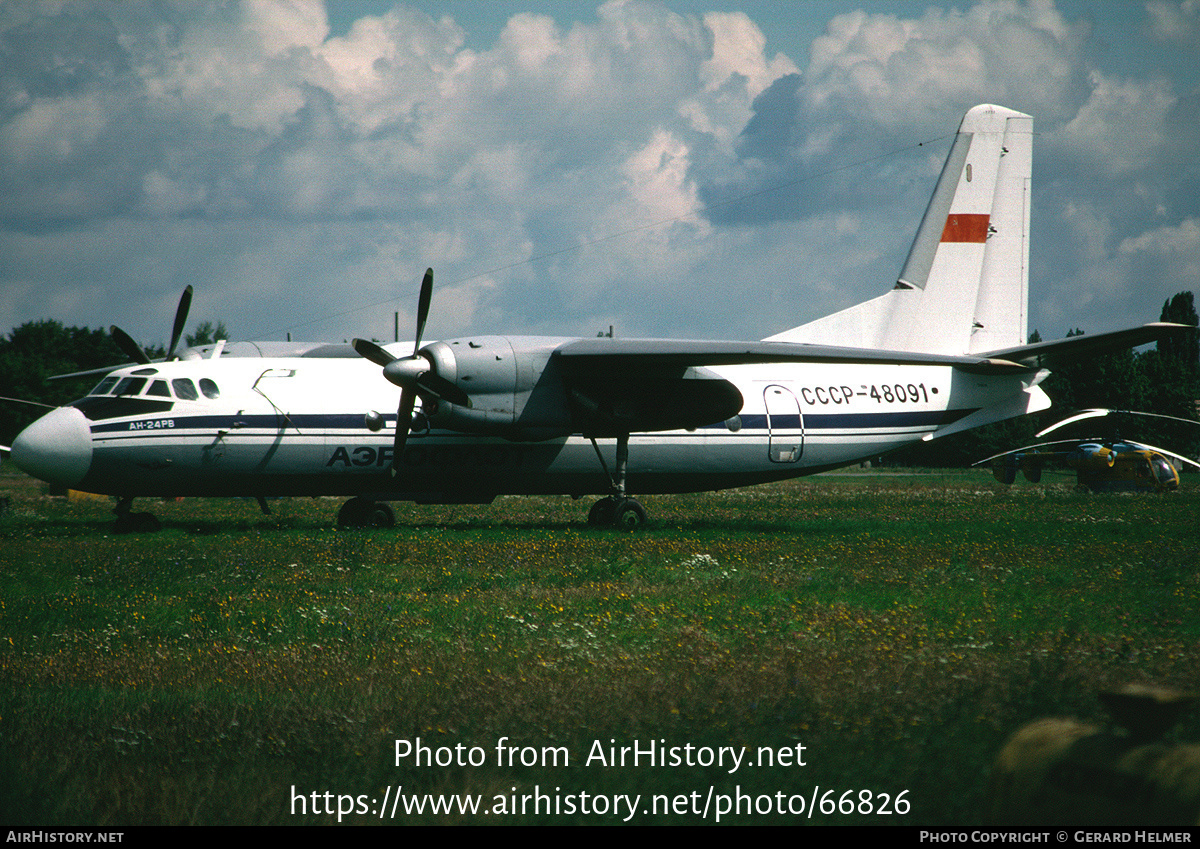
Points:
point(235, 668)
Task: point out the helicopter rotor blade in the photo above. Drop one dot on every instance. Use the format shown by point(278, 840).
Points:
point(1100, 411)
point(1165, 452)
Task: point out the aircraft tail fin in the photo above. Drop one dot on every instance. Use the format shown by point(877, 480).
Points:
point(964, 286)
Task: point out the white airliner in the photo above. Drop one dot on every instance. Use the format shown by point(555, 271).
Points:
point(941, 352)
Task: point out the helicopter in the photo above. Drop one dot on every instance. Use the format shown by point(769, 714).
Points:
point(1100, 464)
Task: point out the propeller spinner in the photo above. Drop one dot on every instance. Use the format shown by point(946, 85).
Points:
point(414, 375)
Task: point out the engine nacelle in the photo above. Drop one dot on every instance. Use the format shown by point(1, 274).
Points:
point(512, 382)
point(1090, 457)
point(519, 390)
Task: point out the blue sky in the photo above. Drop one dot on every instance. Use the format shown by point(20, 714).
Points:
point(560, 164)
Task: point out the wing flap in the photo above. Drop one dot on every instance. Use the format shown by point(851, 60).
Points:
point(607, 402)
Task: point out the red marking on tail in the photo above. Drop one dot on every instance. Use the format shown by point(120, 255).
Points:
point(966, 227)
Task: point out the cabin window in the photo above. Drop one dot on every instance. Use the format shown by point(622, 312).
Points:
point(130, 386)
point(185, 389)
point(209, 388)
point(159, 388)
point(105, 386)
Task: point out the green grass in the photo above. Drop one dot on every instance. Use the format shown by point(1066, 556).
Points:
point(897, 626)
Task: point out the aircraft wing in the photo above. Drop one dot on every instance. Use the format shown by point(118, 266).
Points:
point(659, 353)
point(633, 385)
point(1059, 352)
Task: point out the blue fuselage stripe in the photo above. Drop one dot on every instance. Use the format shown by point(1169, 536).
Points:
point(315, 423)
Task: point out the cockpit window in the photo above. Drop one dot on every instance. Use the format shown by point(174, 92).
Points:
point(104, 386)
point(1164, 471)
point(159, 388)
point(209, 388)
point(185, 389)
point(130, 386)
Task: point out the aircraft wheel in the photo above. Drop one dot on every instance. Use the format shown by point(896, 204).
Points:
point(381, 515)
point(602, 512)
point(362, 513)
point(629, 515)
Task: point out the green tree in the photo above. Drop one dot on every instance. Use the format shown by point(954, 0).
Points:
point(1184, 349)
point(1172, 374)
point(206, 334)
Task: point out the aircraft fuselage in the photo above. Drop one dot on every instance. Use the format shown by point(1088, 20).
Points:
point(296, 426)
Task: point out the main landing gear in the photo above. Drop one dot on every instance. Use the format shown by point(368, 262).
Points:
point(364, 513)
point(617, 510)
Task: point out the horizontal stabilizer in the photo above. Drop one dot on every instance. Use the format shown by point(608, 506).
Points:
point(1059, 352)
point(1031, 400)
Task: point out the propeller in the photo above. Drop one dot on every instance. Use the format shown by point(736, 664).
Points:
point(134, 351)
point(414, 375)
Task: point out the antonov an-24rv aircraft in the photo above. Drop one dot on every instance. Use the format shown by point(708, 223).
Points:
point(941, 352)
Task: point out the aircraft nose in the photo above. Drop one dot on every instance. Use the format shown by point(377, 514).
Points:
point(57, 448)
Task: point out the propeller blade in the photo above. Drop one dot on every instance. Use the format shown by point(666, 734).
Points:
point(423, 301)
point(408, 399)
point(131, 349)
point(443, 389)
point(414, 375)
point(372, 352)
point(181, 314)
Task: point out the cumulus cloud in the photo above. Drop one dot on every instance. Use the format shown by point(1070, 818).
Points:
point(1122, 125)
point(1020, 54)
point(303, 180)
point(1177, 22)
